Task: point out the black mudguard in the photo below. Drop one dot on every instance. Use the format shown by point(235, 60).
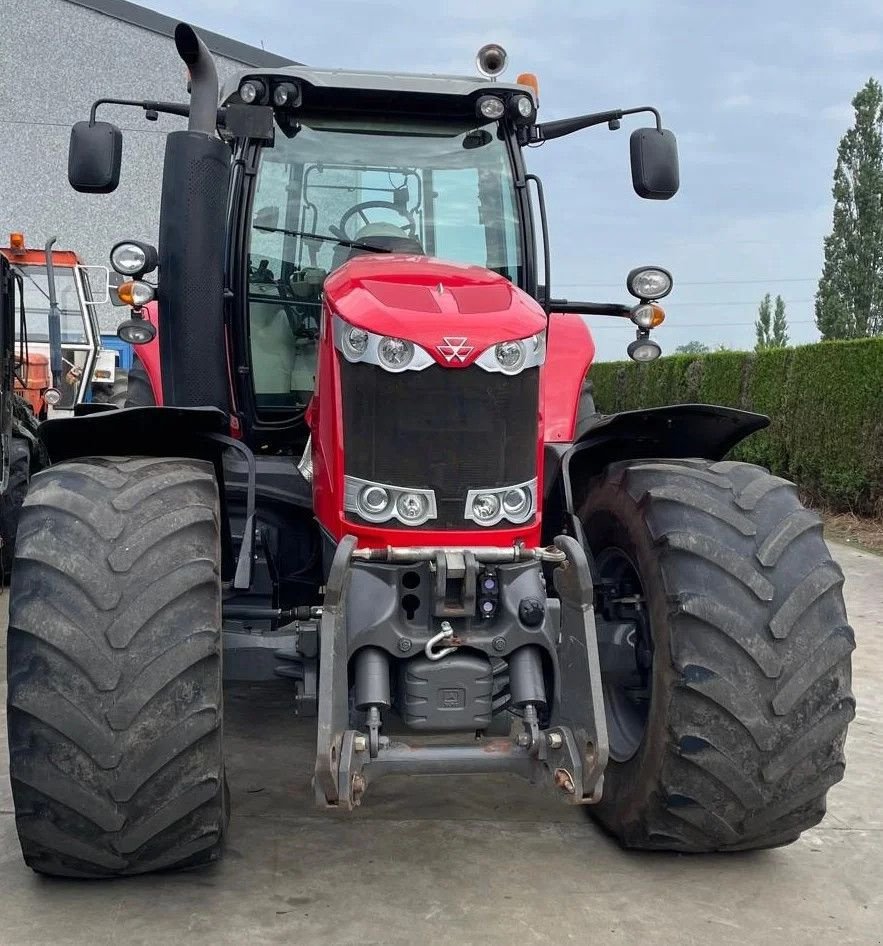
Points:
point(135, 431)
point(708, 431)
point(146, 432)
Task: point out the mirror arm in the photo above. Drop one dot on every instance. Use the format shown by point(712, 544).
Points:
point(566, 126)
point(167, 108)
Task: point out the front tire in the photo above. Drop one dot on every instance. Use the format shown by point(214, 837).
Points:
point(115, 699)
point(742, 712)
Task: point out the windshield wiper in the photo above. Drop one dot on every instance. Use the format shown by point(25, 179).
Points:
point(354, 244)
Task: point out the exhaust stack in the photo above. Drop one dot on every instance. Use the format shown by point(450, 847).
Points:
point(196, 177)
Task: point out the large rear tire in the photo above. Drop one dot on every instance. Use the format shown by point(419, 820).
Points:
point(139, 392)
point(113, 394)
point(115, 698)
point(736, 731)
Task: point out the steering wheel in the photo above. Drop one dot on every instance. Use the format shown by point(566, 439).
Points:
point(359, 211)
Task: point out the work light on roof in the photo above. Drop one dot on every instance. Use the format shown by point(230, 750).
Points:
point(286, 94)
point(253, 91)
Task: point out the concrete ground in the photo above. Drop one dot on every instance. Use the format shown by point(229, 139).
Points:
point(481, 860)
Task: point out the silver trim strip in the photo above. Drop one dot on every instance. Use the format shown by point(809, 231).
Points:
point(353, 485)
point(535, 355)
point(422, 359)
point(500, 491)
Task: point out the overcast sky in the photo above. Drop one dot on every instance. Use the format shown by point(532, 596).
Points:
point(758, 94)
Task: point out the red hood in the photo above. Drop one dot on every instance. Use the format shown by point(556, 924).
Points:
point(433, 304)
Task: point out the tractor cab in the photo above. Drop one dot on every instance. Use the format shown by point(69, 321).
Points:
point(421, 178)
point(387, 165)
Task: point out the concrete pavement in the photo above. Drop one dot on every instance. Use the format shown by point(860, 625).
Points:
point(484, 860)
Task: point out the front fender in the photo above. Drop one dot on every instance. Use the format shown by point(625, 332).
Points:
point(708, 431)
point(134, 431)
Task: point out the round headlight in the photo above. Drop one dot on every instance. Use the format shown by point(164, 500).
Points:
point(516, 503)
point(252, 90)
point(485, 507)
point(649, 282)
point(412, 507)
point(644, 350)
point(525, 106)
point(510, 355)
point(395, 354)
point(491, 107)
point(374, 500)
point(286, 93)
point(648, 315)
point(136, 331)
point(128, 259)
point(52, 396)
point(355, 343)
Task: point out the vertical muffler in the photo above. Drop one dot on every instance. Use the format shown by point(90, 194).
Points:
point(196, 178)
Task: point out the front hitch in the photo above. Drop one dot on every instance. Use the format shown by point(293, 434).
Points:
point(568, 755)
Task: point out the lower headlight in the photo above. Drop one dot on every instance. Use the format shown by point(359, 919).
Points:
point(412, 507)
point(486, 507)
point(395, 354)
point(373, 500)
point(380, 502)
point(52, 396)
point(516, 502)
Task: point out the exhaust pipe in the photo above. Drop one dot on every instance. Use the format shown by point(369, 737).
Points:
point(203, 79)
point(192, 222)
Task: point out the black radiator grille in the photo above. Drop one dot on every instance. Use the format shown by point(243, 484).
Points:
point(445, 429)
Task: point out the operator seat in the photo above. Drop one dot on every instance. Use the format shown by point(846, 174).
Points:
point(385, 235)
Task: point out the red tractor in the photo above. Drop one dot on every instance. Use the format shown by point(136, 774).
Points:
point(373, 473)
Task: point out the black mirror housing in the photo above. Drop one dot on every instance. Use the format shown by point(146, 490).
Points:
point(94, 158)
point(655, 171)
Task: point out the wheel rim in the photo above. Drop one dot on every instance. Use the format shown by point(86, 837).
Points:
point(625, 652)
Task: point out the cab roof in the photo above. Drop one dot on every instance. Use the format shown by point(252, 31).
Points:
point(379, 82)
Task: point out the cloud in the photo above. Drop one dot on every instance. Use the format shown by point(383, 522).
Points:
point(742, 100)
point(846, 43)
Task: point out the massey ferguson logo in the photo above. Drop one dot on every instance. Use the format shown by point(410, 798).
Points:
point(455, 348)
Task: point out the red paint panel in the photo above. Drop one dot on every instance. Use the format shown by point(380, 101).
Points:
point(569, 353)
point(148, 354)
point(427, 301)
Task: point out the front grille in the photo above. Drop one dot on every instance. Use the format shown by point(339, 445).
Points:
point(445, 429)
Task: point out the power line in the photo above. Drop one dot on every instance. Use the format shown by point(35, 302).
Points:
point(698, 282)
point(626, 324)
point(710, 302)
point(67, 125)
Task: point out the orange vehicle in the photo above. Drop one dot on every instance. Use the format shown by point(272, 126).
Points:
point(84, 371)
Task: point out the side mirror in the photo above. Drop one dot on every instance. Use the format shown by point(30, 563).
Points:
point(267, 218)
point(94, 157)
point(655, 174)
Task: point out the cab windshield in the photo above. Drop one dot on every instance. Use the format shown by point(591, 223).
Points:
point(417, 187)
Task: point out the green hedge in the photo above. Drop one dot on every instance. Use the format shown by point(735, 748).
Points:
point(825, 402)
